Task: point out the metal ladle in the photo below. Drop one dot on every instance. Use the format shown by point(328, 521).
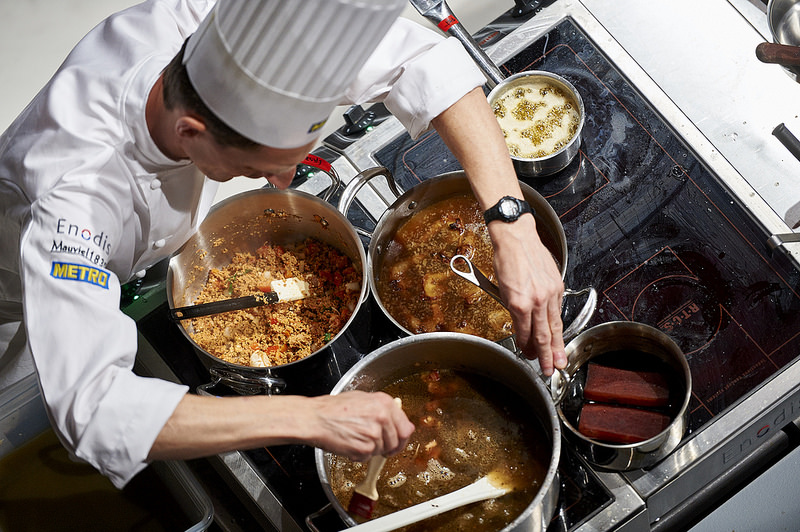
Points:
point(476, 277)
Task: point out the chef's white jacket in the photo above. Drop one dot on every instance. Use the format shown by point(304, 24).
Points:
point(87, 200)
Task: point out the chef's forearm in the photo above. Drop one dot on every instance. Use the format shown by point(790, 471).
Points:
point(355, 424)
point(470, 130)
point(203, 426)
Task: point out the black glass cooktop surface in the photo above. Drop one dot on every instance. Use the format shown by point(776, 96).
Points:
point(648, 226)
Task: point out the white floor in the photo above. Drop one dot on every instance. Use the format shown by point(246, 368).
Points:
point(36, 36)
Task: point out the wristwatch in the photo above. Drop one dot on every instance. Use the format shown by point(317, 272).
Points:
point(508, 209)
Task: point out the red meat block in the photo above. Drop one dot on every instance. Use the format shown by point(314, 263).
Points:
point(637, 388)
point(620, 424)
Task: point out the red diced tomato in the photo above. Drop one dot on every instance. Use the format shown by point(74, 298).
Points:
point(431, 376)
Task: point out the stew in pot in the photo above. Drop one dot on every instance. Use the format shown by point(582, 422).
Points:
point(416, 285)
point(467, 426)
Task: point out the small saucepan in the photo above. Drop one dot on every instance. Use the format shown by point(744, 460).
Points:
point(541, 113)
point(629, 346)
point(651, 381)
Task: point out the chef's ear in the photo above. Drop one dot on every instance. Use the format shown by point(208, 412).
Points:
point(188, 126)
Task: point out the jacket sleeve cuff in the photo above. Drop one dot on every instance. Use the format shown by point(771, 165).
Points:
point(149, 404)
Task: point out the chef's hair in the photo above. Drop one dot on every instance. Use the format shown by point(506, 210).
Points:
point(179, 93)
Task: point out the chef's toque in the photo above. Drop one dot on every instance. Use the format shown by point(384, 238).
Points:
point(274, 70)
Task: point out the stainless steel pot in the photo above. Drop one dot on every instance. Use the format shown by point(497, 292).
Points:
point(616, 336)
point(783, 18)
point(438, 12)
point(560, 159)
point(468, 353)
point(243, 223)
point(442, 187)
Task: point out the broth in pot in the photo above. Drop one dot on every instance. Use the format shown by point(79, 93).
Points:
point(467, 426)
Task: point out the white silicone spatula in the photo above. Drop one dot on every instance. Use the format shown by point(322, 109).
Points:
point(479, 490)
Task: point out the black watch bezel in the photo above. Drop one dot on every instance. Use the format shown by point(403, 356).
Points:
point(508, 209)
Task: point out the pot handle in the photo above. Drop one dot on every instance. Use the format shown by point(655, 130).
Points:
point(352, 188)
point(241, 382)
point(586, 313)
point(321, 164)
point(442, 16)
point(310, 517)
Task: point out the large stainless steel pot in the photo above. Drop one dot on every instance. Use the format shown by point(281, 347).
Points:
point(617, 336)
point(441, 187)
point(468, 353)
point(243, 223)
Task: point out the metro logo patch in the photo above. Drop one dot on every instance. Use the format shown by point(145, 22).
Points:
point(79, 272)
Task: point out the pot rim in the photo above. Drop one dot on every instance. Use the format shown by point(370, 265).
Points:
point(774, 18)
point(576, 138)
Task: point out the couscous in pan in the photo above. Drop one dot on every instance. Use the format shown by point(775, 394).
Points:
point(246, 242)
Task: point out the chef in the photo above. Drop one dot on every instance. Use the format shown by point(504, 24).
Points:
point(115, 163)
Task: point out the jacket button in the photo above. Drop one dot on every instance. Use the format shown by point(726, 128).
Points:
point(160, 243)
point(140, 274)
point(155, 184)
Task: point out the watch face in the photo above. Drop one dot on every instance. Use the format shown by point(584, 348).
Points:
point(509, 208)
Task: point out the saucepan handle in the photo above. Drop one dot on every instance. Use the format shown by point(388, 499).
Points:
point(440, 14)
point(361, 179)
point(586, 313)
point(321, 164)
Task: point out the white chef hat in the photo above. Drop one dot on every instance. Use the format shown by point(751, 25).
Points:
point(274, 70)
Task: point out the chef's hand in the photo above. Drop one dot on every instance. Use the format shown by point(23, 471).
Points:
point(531, 285)
point(359, 425)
